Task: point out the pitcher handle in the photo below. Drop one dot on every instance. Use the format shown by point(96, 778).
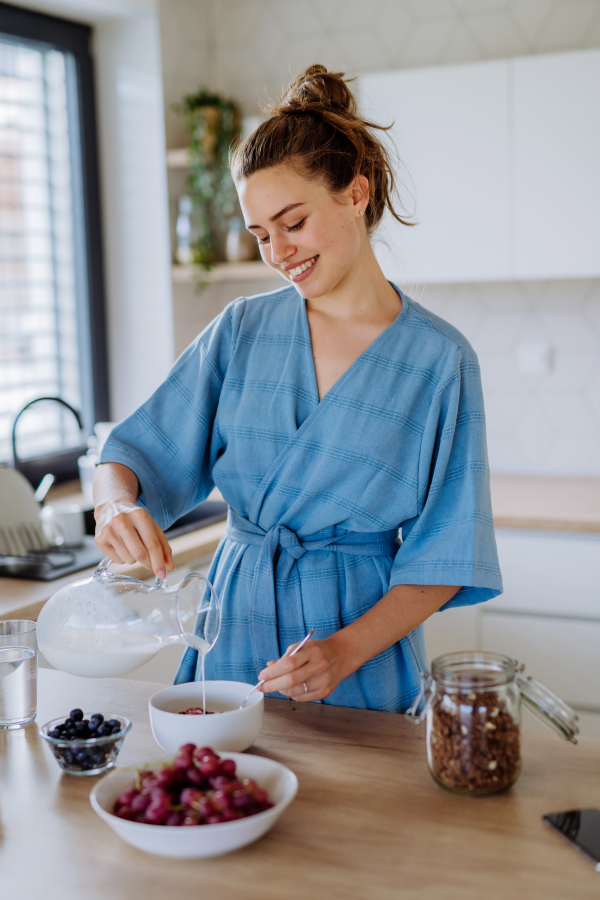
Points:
point(102, 568)
point(425, 695)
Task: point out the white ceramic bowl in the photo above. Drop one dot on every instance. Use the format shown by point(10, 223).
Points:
point(199, 840)
point(232, 729)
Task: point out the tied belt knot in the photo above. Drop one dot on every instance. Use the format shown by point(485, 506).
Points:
point(277, 620)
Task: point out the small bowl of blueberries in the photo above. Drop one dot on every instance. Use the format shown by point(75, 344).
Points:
point(85, 744)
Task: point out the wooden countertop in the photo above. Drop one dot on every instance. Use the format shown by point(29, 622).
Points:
point(519, 501)
point(368, 821)
point(24, 599)
point(546, 503)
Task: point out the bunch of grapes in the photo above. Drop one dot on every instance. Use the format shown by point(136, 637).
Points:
point(196, 788)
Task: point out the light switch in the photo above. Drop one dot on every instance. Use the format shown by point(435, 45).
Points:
point(535, 358)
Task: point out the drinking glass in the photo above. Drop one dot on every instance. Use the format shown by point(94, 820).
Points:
point(18, 673)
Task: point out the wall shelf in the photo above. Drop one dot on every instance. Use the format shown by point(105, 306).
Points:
point(178, 158)
point(255, 270)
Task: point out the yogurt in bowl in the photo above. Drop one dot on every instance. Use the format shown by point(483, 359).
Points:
point(230, 728)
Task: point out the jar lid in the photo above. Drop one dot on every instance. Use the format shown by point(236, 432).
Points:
point(549, 708)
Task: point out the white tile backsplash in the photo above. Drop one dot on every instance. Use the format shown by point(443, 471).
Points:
point(544, 424)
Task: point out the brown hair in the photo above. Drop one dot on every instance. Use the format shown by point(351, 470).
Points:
point(316, 126)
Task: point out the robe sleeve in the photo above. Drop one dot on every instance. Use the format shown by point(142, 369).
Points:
point(172, 441)
point(451, 540)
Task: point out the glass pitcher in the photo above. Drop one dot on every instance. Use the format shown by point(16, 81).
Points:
point(472, 704)
point(108, 624)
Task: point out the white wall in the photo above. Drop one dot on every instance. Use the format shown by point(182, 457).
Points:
point(132, 154)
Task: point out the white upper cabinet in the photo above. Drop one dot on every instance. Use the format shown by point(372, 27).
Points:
point(451, 132)
point(557, 165)
point(500, 163)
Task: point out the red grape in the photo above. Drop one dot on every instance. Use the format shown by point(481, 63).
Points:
point(174, 819)
point(209, 766)
point(228, 767)
point(196, 788)
point(127, 796)
point(141, 802)
point(156, 813)
point(190, 797)
point(194, 776)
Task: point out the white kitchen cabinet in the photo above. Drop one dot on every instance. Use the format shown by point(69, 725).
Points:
point(501, 159)
point(549, 573)
point(451, 132)
point(556, 165)
point(548, 616)
point(561, 653)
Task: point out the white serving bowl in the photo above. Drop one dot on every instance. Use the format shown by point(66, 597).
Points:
point(194, 841)
point(232, 729)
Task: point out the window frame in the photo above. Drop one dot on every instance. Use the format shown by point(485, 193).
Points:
point(75, 38)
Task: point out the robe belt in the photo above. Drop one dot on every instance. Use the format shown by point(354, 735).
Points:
point(272, 616)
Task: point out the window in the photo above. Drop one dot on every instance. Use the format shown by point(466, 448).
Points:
point(52, 335)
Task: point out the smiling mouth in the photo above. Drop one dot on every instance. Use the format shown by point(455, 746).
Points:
point(303, 267)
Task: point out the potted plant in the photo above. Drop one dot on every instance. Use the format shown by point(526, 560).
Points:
point(213, 123)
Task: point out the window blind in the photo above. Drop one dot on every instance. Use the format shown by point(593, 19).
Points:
point(39, 315)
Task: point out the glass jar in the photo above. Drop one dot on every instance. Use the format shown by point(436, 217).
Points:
point(472, 705)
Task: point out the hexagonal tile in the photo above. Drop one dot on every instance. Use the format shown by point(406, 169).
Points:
point(461, 46)
point(361, 50)
point(270, 43)
point(432, 9)
point(569, 329)
point(392, 28)
point(497, 34)
point(474, 6)
point(465, 311)
point(353, 14)
point(426, 41)
point(570, 372)
point(504, 453)
point(591, 307)
point(592, 394)
point(535, 434)
point(296, 18)
point(237, 20)
point(567, 26)
point(531, 17)
point(574, 455)
point(302, 52)
point(503, 410)
point(569, 413)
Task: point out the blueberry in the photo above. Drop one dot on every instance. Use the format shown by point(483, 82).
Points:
point(60, 728)
point(54, 733)
point(68, 723)
point(80, 727)
point(81, 757)
point(98, 717)
point(114, 723)
point(68, 757)
point(76, 715)
point(92, 727)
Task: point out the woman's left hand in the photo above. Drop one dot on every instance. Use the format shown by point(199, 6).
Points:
point(317, 665)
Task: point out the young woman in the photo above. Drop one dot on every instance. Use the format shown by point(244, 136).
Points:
point(330, 414)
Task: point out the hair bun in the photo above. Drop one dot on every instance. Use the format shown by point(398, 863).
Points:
point(316, 90)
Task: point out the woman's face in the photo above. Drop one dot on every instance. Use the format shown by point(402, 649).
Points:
point(314, 239)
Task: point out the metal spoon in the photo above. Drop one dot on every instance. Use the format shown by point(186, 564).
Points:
point(293, 653)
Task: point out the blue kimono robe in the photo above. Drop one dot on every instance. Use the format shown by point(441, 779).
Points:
point(319, 490)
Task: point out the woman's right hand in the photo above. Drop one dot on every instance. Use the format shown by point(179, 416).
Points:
point(126, 533)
